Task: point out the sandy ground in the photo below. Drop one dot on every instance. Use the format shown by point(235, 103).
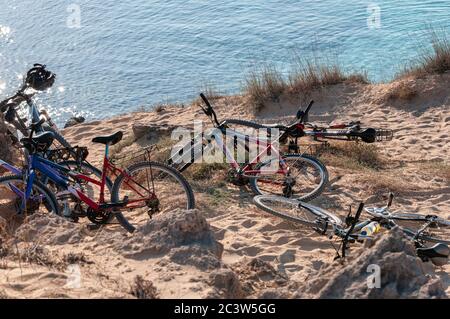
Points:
point(422, 133)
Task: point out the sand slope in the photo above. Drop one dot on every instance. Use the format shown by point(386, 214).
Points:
point(250, 237)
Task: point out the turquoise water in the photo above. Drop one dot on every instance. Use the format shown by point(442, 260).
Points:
point(142, 52)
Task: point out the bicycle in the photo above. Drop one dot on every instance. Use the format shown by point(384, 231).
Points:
point(144, 186)
point(420, 229)
point(39, 79)
point(299, 176)
point(302, 127)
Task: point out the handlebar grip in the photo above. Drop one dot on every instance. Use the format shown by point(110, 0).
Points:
point(359, 211)
point(205, 100)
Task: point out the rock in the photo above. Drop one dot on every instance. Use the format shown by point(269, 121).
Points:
point(256, 275)
point(74, 121)
point(6, 148)
point(50, 229)
point(225, 285)
point(196, 256)
point(183, 235)
point(274, 293)
point(401, 273)
point(152, 131)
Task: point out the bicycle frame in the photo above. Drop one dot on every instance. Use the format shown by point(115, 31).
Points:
point(265, 144)
point(52, 171)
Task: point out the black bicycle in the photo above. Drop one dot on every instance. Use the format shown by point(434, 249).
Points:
point(302, 127)
point(429, 233)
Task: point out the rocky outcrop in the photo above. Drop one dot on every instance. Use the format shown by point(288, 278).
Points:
point(6, 149)
point(401, 273)
point(184, 236)
point(74, 121)
point(226, 285)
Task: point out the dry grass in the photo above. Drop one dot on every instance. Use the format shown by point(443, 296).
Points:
point(128, 140)
point(205, 171)
point(76, 258)
point(211, 93)
point(143, 289)
point(159, 108)
point(36, 254)
point(403, 91)
point(438, 169)
point(434, 61)
point(264, 84)
point(380, 184)
point(309, 75)
point(352, 155)
point(267, 83)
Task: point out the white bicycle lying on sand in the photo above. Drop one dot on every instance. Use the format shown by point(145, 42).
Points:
point(423, 230)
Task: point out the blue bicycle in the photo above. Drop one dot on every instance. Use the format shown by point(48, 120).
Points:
point(141, 190)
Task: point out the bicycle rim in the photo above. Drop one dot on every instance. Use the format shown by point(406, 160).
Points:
point(151, 188)
point(294, 210)
point(309, 174)
point(41, 199)
point(438, 232)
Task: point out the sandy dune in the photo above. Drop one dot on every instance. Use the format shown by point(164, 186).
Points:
point(249, 236)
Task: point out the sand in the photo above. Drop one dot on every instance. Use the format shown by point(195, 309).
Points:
point(247, 235)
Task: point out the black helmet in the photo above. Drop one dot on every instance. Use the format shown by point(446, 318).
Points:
point(39, 78)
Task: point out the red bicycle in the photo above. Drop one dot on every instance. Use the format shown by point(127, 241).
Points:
point(143, 189)
point(267, 171)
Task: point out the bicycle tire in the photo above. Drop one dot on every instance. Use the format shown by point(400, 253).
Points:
point(115, 197)
point(438, 223)
point(413, 218)
point(268, 202)
point(246, 123)
point(40, 187)
point(308, 158)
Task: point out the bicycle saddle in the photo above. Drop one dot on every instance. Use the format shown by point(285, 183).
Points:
point(39, 142)
point(110, 139)
point(437, 254)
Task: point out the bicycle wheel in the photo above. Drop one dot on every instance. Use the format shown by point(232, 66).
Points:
point(91, 190)
point(307, 180)
point(294, 210)
point(41, 198)
point(150, 188)
point(438, 232)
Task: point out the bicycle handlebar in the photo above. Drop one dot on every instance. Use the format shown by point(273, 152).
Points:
point(352, 226)
point(209, 111)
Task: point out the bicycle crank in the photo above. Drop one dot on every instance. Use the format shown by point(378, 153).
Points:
point(153, 205)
